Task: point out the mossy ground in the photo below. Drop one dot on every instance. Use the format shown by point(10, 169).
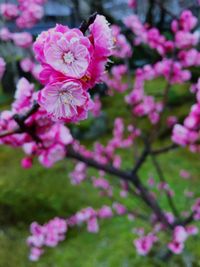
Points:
point(40, 194)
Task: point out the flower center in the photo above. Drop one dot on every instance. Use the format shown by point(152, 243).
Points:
point(66, 98)
point(68, 58)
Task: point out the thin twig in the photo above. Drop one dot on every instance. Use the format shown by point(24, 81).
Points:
point(161, 5)
point(162, 179)
point(164, 149)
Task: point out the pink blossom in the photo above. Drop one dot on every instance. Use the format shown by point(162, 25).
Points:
point(176, 247)
point(5, 34)
point(186, 39)
point(105, 212)
point(102, 36)
point(132, 3)
point(51, 155)
point(2, 67)
point(119, 208)
point(171, 121)
point(23, 96)
point(101, 183)
point(196, 209)
point(144, 244)
point(30, 13)
point(22, 39)
point(92, 225)
point(79, 173)
point(187, 20)
point(68, 53)
point(180, 234)
point(9, 11)
point(96, 110)
point(27, 163)
point(185, 174)
point(122, 48)
point(26, 64)
point(65, 101)
point(35, 254)
point(192, 230)
point(85, 214)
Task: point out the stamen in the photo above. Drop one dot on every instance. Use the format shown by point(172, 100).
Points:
point(68, 58)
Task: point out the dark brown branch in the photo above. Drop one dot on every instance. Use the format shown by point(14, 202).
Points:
point(164, 149)
point(145, 195)
point(34, 108)
point(10, 132)
point(162, 179)
point(107, 168)
point(167, 11)
point(20, 119)
point(86, 23)
point(141, 160)
point(187, 220)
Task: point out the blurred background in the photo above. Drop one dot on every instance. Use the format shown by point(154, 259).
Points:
point(39, 194)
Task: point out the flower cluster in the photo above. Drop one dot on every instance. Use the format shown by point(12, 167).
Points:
point(48, 140)
point(182, 27)
point(71, 64)
point(26, 13)
point(114, 80)
point(2, 67)
point(107, 154)
point(188, 133)
point(53, 232)
point(150, 36)
point(122, 46)
point(180, 235)
point(144, 244)
point(20, 39)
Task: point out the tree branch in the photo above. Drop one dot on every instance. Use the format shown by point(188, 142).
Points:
point(162, 179)
point(164, 149)
point(86, 23)
point(145, 195)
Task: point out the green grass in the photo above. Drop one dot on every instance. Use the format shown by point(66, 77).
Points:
point(40, 194)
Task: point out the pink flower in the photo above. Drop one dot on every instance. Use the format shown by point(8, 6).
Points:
point(22, 39)
point(144, 244)
point(187, 20)
point(102, 36)
point(26, 64)
point(192, 230)
point(186, 39)
point(9, 11)
point(85, 214)
point(68, 53)
point(23, 96)
point(101, 183)
point(105, 212)
point(182, 136)
point(2, 67)
point(51, 155)
point(92, 225)
point(176, 247)
point(180, 234)
point(65, 101)
point(5, 34)
point(119, 208)
point(185, 174)
point(35, 254)
point(27, 163)
point(132, 3)
point(79, 173)
point(171, 120)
